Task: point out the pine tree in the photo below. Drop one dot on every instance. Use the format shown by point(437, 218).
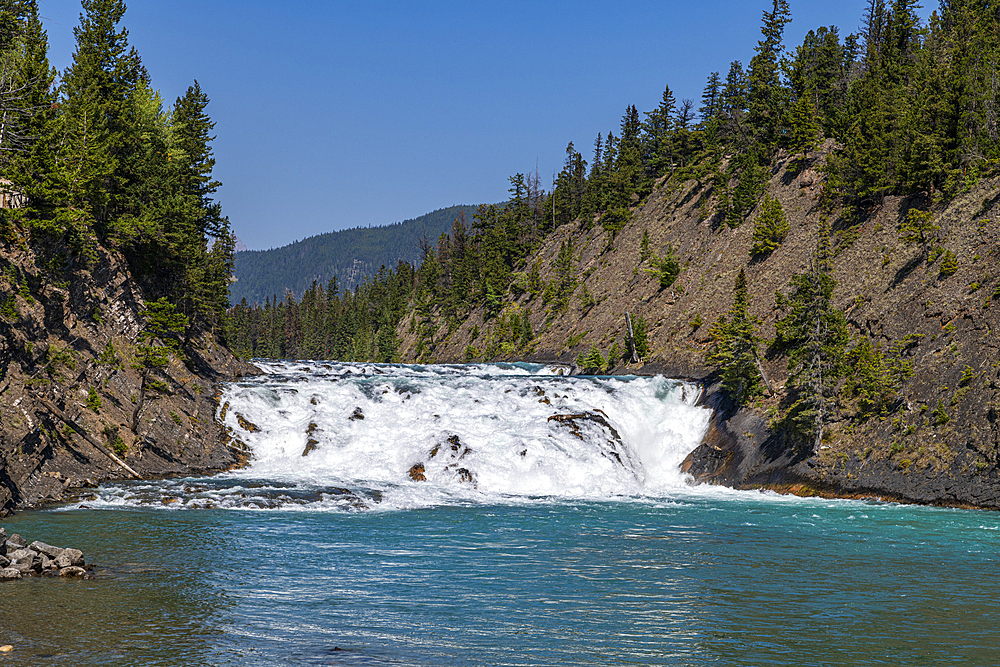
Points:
point(733, 347)
point(658, 151)
point(98, 93)
point(918, 228)
point(711, 98)
point(804, 128)
point(766, 97)
point(770, 228)
point(815, 335)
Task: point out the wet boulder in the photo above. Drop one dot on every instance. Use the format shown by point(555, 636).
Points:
point(593, 427)
point(311, 441)
point(416, 473)
point(72, 571)
point(9, 573)
point(246, 424)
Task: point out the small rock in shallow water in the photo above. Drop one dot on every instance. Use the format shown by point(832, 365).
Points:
point(72, 571)
point(9, 573)
point(6, 648)
point(70, 557)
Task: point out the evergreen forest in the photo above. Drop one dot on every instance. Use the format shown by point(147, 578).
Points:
point(900, 108)
point(352, 255)
point(93, 160)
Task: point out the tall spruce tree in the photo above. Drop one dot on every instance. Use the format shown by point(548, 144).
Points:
point(99, 111)
point(815, 336)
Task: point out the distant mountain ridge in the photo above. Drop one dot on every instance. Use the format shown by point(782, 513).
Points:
point(351, 254)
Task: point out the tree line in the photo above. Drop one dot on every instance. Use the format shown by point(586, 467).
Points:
point(93, 158)
point(909, 107)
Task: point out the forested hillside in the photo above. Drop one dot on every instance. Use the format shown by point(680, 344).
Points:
point(115, 262)
point(350, 255)
point(816, 238)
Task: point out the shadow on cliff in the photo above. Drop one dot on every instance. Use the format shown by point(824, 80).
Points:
point(740, 448)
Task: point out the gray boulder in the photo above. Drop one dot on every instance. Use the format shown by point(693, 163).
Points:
point(22, 556)
point(4, 562)
point(15, 542)
point(48, 550)
point(69, 558)
point(3, 535)
point(8, 573)
point(24, 567)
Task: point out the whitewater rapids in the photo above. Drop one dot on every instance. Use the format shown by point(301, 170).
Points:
point(340, 436)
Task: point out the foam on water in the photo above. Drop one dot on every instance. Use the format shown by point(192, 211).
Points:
point(475, 433)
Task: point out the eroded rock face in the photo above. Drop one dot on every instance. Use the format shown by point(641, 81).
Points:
point(593, 426)
point(64, 349)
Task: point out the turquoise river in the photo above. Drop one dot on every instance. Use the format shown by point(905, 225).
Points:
point(493, 515)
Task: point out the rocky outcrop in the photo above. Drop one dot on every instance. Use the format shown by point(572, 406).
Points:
point(940, 443)
point(445, 457)
point(19, 559)
point(68, 386)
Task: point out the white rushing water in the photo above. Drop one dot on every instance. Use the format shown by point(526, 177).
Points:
point(341, 436)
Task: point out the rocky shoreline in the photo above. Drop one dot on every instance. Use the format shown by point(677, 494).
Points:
point(20, 559)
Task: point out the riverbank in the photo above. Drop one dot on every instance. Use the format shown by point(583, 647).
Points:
point(77, 406)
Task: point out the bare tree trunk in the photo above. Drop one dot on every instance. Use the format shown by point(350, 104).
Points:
point(83, 432)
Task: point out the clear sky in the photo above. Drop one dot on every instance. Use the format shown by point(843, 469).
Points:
point(338, 114)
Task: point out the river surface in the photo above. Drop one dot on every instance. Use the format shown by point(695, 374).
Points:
point(528, 541)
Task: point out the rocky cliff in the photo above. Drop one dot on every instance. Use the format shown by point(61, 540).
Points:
point(69, 388)
point(938, 443)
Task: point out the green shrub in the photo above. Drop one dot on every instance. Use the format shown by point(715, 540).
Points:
point(770, 228)
point(93, 400)
point(665, 268)
point(9, 309)
point(949, 265)
point(940, 416)
point(592, 362)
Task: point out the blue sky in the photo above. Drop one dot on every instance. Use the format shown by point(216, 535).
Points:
point(341, 114)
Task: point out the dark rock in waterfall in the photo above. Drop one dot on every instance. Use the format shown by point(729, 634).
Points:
point(357, 415)
point(311, 442)
point(246, 424)
point(417, 473)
